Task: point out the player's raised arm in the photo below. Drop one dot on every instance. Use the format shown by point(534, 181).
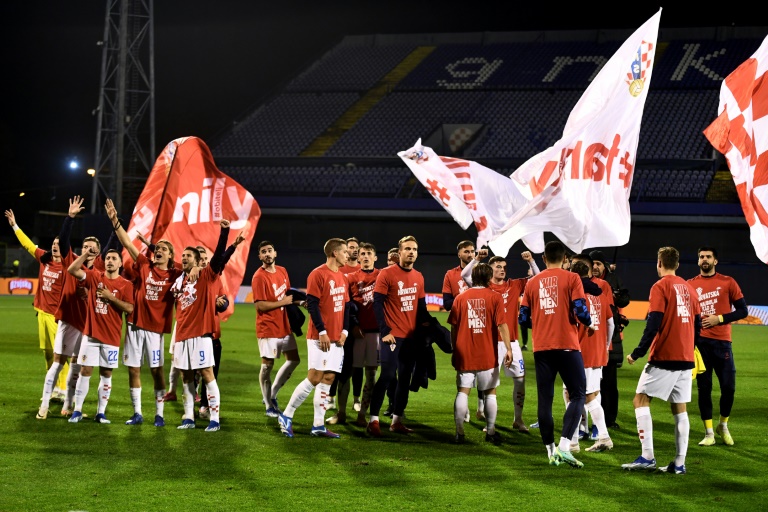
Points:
point(119, 231)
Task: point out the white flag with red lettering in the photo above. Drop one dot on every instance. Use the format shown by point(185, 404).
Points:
point(741, 133)
point(183, 201)
point(466, 189)
point(579, 188)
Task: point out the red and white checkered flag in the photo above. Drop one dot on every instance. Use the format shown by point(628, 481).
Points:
point(741, 134)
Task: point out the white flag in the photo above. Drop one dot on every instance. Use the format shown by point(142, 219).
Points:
point(741, 133)
point(579, 188)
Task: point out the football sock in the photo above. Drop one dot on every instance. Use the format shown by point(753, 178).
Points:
point(283, 374)
point(300, 394)
point(645, 431)
point(491, 410)
point(265, 382)
point(320, 402)
point(565, 444)
point(173, 379)
point(159, 402)
point(460, 408)
point(214, 399)
point(83, 383)
point(708, 428)
point(550, 449)
point(518, 397)
point(105, 390)
point(724, 421)
point(136, 400)
point(72, 378)
point(598, 417)
point(50, 377)
point(189, 400)
point(480, 402)
point(682, 431)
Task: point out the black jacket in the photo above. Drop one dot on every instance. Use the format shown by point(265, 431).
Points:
point(425, 368)
point(296, 316)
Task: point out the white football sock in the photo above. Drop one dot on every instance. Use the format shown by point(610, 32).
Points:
point(81, 391)
point(682, 431)
point(491, 410)
point(320, 401)
point(283, 374)
point(159, 402)
point(300, 394)
point(598, 418)
point(460, 408)
point(265, 382)
point(136, 400)
point(214, 399)
point(518, 397)
point(105, 390)
point(50, 379)
point(645, 431)
point(189, 400)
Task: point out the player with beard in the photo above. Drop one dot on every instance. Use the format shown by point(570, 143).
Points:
point(270, 285)
point(196, 328)
point(399, 302)
point(721, 303)
point(109, 296)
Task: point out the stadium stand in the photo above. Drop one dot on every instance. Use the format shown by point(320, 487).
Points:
point(495, 98)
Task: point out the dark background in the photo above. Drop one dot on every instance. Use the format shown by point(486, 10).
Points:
point(214, 60)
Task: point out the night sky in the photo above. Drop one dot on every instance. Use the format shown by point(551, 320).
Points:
point(214, 60)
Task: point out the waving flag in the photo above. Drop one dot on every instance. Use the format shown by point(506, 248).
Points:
point(578, 189)
point(183, 201)
point(741, 133)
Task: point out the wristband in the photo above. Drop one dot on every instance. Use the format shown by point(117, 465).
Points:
point(16, 228)
point(323, 332)
point(344, 332)
point(116, 227)
point(720, 317)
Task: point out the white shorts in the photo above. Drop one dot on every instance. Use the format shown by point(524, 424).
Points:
point(366, 351)
point(141, 345)
point(593, 377)
point(517, 369)
point(330, 361)
point(67, 341)
point(482, 379)
point(95, 353)
point(273, 348)
point(193, 354)
point(673, 386)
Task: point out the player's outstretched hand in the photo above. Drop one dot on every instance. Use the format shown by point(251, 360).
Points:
point(76, 206)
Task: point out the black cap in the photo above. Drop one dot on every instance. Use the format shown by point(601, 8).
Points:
point(598, 256)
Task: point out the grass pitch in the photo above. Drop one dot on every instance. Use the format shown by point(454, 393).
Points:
point(250, 465)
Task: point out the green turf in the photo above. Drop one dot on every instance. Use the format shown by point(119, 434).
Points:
point(250, 465)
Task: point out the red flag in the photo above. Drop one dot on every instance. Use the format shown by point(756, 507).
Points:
point(740, 132)
point(184, 199)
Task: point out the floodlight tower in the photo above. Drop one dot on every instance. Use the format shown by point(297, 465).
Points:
point(125, 131)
